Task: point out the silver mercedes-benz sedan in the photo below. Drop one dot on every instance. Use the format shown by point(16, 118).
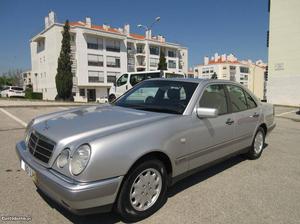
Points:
point(125, 155)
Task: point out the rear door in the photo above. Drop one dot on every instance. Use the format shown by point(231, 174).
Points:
point(246, 114)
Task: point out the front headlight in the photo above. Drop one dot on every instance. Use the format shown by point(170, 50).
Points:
point(27, 130)
point(63, 158)
point(80, 159)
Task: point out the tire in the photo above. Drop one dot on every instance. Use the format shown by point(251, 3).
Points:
point(111, 98)
point(258, 144)
point(131, 206)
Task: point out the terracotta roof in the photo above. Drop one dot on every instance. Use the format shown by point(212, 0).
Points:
point(137, 36)
point(219, 61)
point(111, 30)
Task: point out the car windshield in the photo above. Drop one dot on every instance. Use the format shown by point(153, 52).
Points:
point(159, 96)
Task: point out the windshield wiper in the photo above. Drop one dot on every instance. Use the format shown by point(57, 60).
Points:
point(163, 110)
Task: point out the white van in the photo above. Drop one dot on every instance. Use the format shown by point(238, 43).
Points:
point(130, 79)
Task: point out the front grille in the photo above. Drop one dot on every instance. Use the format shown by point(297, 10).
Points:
point(40, 147)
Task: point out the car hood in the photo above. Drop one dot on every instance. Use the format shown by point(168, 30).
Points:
point(92, 121)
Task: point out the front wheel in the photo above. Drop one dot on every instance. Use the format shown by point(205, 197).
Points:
point(257, 144)
point(143, 191)
point(111, 98)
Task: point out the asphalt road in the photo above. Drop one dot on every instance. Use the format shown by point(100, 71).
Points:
point(236, 191)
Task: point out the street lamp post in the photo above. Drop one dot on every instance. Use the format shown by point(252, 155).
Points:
point(147, 28)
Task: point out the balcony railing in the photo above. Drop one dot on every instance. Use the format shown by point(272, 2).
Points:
point(113, 49)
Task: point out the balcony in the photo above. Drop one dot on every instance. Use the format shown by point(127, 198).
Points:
point(75, 81)
point(113, 49)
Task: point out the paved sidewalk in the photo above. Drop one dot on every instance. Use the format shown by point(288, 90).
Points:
point(36, 103)
point(288, 113)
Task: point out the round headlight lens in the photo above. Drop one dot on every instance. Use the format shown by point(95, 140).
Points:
point(63, 158)
point(80, 159)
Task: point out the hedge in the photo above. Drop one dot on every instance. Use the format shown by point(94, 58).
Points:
point(33, 95)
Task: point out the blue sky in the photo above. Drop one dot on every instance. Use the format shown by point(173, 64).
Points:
point(204, 26)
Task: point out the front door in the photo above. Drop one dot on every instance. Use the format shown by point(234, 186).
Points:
point(212, 138)
point(122, 85)
point(91, 95)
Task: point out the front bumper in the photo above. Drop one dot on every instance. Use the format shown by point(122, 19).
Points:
point(79, 198)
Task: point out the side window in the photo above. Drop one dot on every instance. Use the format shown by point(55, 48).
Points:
point(135, 79)
point(122, 80)
point(237, 98)
point(250, 101)
point(214, 97)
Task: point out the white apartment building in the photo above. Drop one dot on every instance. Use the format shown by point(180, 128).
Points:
point(26, 79)
point(228, 67)
point(284, 52)
point(100, 54)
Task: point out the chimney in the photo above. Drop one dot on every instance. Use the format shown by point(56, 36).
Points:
point(206, 60)
point(88, 22)
point(106, 27)
point(46, 22)
point(216, 57)
point(52, 18)
point(223, 58)
point(231, 58)
point(160, 38)
point(126, 29)
point(148, 34)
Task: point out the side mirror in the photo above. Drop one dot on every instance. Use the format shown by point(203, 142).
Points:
point(203, 112)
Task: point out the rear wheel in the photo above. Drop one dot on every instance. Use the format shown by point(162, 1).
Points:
point(257, 144)
point(143, 191)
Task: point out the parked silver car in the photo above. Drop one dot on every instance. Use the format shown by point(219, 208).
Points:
point(125, 155)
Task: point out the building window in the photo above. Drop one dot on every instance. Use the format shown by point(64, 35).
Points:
point(154, 62)
point(154, 50)
point(172, 53)
point(140, 49)
point(244, 69)
point(232, 67)
point(112, 77)
point(81, 92)
point(113, 45)
point(94, 43)
point(96, 76)
point(245, 77)
point(113, 62)
point(40, 46)
point(172, 64)
point(95, 60)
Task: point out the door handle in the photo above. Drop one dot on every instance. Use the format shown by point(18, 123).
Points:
point(255, 115)
point(126, 87)
point(229, 121)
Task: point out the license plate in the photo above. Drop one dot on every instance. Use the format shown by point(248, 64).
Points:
point(30, 172)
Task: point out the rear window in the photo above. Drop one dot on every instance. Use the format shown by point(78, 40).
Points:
point(17, 88)
point(136, 78)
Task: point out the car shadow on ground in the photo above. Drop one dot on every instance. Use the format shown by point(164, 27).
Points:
point(181, 185)
point(203, 175)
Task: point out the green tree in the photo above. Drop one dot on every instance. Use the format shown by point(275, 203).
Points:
point(162, 64)
point(64, 77)
point(214, 76)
